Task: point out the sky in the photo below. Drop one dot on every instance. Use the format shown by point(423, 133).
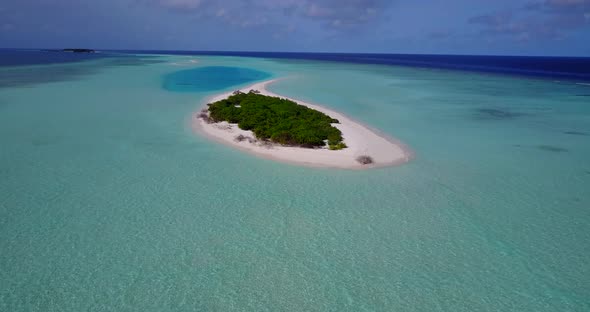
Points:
point(493, 27)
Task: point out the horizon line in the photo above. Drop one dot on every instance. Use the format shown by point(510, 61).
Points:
point(307, 52)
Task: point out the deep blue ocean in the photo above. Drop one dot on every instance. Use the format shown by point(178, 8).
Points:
point(571, 68)
point(553, 67)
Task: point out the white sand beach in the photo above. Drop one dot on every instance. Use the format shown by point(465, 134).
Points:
point(361, 140)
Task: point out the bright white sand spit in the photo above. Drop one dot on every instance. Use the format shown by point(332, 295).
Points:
point(361, 141)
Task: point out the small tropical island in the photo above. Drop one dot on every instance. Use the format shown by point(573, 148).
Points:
point(281, 121)
point(260, 122)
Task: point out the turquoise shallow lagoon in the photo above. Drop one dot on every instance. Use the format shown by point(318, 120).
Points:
point(211, 78)
point(110, 202)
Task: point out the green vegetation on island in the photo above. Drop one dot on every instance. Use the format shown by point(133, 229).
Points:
point(278, 120)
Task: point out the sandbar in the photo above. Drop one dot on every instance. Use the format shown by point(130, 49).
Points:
point(360, 139)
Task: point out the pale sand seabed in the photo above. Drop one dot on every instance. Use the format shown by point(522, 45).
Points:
point(359, 138)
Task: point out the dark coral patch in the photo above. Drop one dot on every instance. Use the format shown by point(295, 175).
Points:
point(498, 114)
point(551, 148)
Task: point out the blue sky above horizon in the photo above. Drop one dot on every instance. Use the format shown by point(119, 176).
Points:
point(502, 27)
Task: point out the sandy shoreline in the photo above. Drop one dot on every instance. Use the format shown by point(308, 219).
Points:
point(360, 139)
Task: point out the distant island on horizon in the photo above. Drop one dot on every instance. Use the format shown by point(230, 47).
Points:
point(70, 50)
point(76, 50)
